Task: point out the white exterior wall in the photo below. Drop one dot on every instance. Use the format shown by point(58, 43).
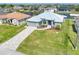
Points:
point(52, 23)
point(23, 22)
point(33, 24)
point(15, 22)
point(0, 21)
point(57, 24)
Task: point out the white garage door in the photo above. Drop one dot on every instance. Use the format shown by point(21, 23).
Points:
point(32, 24)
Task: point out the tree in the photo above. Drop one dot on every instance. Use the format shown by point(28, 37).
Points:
point(9, 6)
point(2, 5)
point(77, 7)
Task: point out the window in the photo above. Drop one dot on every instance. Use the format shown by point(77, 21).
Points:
point(44, 21)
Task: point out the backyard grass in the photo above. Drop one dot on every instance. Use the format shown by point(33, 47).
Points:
point(46, 42)
point(8, 31)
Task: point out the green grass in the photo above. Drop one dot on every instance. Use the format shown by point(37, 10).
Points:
point(48, 42)
point(8, 31)
point(74, 12)
point(42, 42)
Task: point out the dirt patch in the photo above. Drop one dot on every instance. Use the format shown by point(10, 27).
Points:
point(54, 29)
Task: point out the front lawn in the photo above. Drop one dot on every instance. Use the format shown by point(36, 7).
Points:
point(50, 41)
point(8, 31)
point(42, 42)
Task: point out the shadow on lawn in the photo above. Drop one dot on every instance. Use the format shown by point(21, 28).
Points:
point(73, 27)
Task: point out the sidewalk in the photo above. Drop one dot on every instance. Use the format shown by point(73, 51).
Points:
point(9, 52)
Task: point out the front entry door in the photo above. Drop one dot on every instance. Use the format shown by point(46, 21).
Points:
point(49, 22)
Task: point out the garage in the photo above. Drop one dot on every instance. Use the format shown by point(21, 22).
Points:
point(35, 24)
point(34, 21)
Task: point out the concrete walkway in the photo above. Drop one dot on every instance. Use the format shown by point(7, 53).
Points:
point(13, 43)
point(9, 52)
point(45, 28)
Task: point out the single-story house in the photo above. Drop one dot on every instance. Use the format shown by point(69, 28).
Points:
point(46, 18)
point(14, 18)
point(64, 9)
point(50, 9)
point(17, 7)
point(75, 16)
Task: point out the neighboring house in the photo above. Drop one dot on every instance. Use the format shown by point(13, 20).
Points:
point(74, 16)
point(46, 18)
point(48, 9)
point(63, 9)
point(51, 9)
point(76, 21)
point(6, 10)
point(14, 18)
point(17, 8)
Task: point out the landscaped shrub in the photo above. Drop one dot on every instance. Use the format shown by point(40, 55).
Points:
point(58, 27)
